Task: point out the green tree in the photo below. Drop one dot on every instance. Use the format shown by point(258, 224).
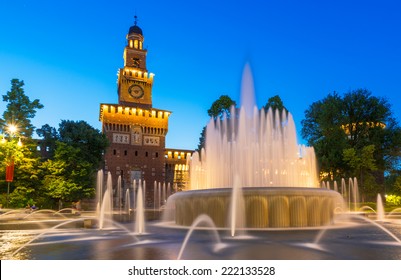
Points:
point(393, 183)
point(362, 162)
point(354, 121)
point(322, 128)
point(27, 184)
point(17, 145)
point(69, 176)
point(275, 103)
point(49, 137)
point(221, 107)
point(20, 109)
point(91, 142)
point(71, 173)
point(397, 186)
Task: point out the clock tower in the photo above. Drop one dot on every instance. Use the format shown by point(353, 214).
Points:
point(136, 131)
point(134, 80)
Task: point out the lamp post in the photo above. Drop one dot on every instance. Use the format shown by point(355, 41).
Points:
point(9, 155)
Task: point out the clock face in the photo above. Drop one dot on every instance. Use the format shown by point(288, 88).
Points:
point(136, 62)
point(136, 91)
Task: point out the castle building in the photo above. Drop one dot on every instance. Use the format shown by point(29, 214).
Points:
point(137, 131)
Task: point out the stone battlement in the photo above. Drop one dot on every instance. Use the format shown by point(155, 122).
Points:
point(123, 114)
point(136, 74)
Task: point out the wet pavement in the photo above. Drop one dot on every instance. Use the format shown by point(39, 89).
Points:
point(355, 238)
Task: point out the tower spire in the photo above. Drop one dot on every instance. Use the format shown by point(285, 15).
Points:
point(135, 19)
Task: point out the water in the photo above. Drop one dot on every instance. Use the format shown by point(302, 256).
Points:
point(257, 145)
point(379, 208)
point(134, 189)
point(363, 208)
point(360, 240)
point(258, 149)
point(202, 219)
point(394, 211)
point(355, 192)
point(106, 208)
point(237, 207)
point(119, 195)
point(343, 188)
point(99, 187)
point(389, 233)
point(251, 166)
point(350, 194)
point(127, 202)
point(140, 212)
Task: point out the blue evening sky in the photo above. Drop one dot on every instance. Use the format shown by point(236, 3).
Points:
point(68, 54)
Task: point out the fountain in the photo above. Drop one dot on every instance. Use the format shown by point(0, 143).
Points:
point(106, 208)
point(251, 177)
point(278, 177)
point(140, 214)
point(127, 203)
point(380, 208)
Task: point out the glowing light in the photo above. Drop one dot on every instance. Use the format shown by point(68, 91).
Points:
point(12, 129)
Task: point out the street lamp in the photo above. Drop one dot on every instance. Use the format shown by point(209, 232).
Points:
point(9, 155)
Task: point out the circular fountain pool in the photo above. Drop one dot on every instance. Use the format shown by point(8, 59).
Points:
point(262, 207)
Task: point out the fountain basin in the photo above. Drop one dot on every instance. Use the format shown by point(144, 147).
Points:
point(264, 207)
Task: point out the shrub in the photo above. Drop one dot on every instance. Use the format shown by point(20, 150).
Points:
point(393, 200)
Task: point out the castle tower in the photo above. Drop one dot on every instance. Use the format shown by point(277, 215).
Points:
point(136, 131)
point(134, 80)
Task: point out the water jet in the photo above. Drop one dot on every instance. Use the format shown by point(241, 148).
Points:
point(278, 176)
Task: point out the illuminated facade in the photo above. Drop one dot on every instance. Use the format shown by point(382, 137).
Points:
point(137, 131)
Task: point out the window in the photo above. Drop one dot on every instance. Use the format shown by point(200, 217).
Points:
point(114, 152)
point(136, 153)
point(157, 154)
point(125, 152)
point(146, 154)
